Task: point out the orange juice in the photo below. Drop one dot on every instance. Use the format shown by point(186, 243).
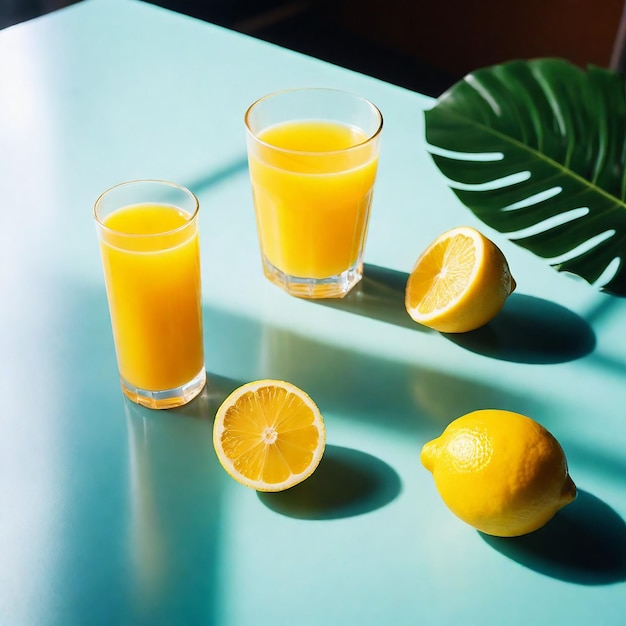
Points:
point(312, 183)
point(151, 260)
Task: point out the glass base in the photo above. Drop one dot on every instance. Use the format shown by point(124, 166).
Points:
point(332, 287)
point(168, 398)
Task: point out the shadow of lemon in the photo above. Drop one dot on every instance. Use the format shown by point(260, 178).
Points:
point(346, 483)
point(584, 543)
point(530, 330)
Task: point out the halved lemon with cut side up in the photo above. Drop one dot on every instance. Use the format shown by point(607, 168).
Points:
point(269, 435)
point(459, 283)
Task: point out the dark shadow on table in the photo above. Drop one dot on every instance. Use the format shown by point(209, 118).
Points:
point(380, 296)
point(527, 330)
point(346, 483)
point(371, 389)
point(585, 543)
point(530, 330)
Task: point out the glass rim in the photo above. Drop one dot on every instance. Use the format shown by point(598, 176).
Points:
point(370, 137)
point(156, 181)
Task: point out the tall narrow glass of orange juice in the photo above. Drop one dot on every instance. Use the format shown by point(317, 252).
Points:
point(313, 156)
point(148, 233)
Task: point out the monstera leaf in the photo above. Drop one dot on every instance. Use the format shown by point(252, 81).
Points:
point(536, 150)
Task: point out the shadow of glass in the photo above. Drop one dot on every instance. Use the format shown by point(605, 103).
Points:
point(371, 389)
point(346, 483)
point(530, 330)
point(380, 296)
point(584, 543)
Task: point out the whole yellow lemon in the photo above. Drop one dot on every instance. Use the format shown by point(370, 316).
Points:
point(501, 472)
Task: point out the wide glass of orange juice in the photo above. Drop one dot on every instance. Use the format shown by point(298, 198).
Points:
point(148, 233)
point(313, 156)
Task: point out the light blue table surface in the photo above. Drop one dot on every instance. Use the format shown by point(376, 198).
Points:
point(112, 514)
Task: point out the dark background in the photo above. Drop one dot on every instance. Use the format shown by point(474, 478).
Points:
point(425, 46)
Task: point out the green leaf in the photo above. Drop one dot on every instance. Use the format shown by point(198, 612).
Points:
point(537, 150)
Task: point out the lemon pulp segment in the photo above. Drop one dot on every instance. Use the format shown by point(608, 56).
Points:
point(269, 435)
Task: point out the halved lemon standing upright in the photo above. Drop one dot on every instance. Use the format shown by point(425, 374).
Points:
point(269, 435)
point(459, 283)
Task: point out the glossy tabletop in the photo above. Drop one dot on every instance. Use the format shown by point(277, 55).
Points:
point(113, 514)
